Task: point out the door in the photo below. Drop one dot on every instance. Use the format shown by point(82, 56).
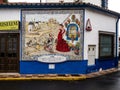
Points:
point(9, 52)
point(91, 54)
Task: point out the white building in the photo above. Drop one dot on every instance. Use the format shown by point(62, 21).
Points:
point(71, 38)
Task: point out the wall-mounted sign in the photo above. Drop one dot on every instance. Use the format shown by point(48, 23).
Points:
point(9, 25)
point(52, 58)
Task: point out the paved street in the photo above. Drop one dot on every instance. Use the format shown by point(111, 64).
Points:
point(107, 82)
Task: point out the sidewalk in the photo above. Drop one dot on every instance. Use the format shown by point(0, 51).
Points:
point(103, 72)
point(16, 76)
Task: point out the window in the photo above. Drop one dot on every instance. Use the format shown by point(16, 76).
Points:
point(106, 49)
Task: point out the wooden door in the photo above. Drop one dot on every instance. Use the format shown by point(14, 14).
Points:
point(9, 52)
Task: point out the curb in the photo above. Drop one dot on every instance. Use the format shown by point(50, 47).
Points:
point(100, 73)
point(29, 77)
point(66, 77)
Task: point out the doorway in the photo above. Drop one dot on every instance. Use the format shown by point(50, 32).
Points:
point(9, 52)
point(91, 54)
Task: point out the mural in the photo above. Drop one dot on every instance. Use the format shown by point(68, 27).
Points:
point(52, 33)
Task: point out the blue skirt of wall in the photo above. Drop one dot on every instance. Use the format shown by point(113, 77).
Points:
point(68, 67)
point(103, 64)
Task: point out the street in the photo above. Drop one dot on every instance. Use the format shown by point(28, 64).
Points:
point(106, 82)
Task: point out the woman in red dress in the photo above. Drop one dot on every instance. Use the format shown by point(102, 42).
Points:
point(62, 46)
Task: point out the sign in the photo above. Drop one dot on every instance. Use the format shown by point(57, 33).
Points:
point(52, 58)
point(9, 25)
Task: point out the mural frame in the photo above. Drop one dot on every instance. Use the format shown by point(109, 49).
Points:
point(53, 12)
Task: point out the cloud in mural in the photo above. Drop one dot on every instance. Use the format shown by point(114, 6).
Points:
point(42, 17)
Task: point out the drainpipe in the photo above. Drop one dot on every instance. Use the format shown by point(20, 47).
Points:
point(117, 22)
point(104, 4)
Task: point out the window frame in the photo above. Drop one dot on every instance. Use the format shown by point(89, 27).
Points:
point(112, 46)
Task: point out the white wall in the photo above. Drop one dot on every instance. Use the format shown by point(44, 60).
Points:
point(9, 14)
point(100, 22)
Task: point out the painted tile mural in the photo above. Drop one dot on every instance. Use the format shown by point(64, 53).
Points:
point(52, 36)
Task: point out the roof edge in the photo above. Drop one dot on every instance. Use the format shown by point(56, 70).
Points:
point(57, 6)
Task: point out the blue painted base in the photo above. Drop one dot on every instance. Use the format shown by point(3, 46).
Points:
point(68, 67)
point(104, 64)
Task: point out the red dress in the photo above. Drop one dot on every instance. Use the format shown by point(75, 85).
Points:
point(62, 46)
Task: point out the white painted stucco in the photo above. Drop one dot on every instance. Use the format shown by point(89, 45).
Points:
point(99, 22)
point(9, 14)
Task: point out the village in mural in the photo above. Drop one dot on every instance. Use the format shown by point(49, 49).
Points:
point(53, 34)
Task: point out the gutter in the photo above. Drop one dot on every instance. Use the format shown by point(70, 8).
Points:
point(116, 53)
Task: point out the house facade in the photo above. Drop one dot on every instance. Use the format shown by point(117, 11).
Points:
point(57, 38)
